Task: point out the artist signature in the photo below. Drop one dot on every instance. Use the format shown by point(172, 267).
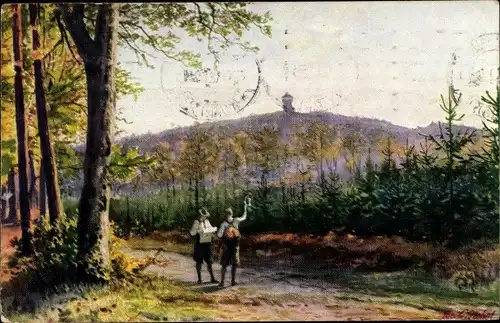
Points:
point(471, 315)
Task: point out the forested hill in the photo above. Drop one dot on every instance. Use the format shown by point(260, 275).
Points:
point(286, 122)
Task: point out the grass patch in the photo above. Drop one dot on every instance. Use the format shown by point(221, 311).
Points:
point(408, 287)
point(148, 299)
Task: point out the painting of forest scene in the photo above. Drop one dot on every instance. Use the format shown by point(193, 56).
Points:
point(234, 161)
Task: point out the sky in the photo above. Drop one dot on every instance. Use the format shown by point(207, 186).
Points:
point(384, 60)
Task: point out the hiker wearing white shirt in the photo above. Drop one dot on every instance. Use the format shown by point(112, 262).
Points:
point(230, 237)
point(202, 230)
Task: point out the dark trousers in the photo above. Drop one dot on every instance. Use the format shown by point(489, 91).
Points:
point(230, 256)
point(203, 252)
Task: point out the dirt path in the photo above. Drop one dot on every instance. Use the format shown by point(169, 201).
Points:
point(181, 269)
point(7, 233)
point(266, 294)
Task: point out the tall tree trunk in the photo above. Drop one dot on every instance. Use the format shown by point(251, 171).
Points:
point(43, 192)
point(233, 183)
point(49, 165)
point(3, 213)
point(197, 194)
point(284, 202)
point(32, 177)
point(225, 190)
point(302, 183)
point(11, 186)
point(217, 203)
point(224, 182)
point(190, 189)
point(99, 56)
point(173, 185)
point(22, 131)
point(322, 171)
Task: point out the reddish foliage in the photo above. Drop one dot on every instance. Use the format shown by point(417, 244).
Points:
point(6, 249)
point(346, 250)
point(378, 252)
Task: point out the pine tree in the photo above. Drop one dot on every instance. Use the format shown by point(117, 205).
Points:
point(452, 143)
point(388, 166)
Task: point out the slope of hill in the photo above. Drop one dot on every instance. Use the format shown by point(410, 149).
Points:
point(285, 121)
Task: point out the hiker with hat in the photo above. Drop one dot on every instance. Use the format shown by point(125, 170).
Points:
point(230, 237)
point(203, 232)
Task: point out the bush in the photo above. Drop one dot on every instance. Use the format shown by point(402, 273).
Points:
point(470, 268)
point(70, 206)
point(55, 248)
point(54, 260)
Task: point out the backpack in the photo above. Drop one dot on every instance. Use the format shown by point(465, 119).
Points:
point(231, 233)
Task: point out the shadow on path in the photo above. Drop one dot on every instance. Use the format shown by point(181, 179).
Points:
point(207, 288)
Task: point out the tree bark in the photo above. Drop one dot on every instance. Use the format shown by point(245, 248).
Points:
point(173, 185)
point(233, 183)
point(190, 189)
point(49, 165)
point(32, 177)
point(99, 56)
point(22, 131)
point(43, 192)
point(3, 213)
point(11, 186)
point(197, 194)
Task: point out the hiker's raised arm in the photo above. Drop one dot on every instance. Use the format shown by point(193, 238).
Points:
point(246, 204)
point(244, 216)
